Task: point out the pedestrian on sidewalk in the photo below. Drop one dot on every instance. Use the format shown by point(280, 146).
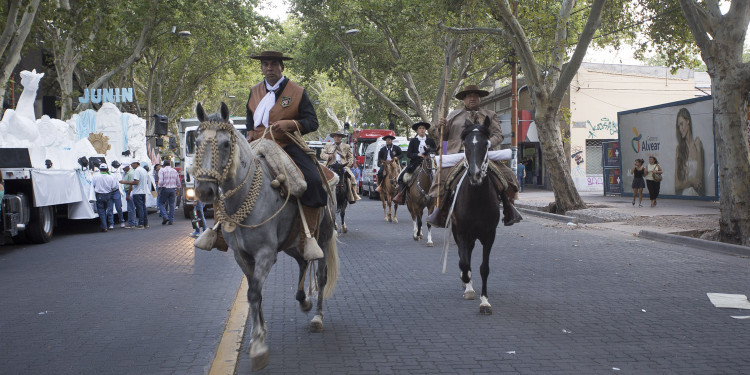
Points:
point(117, 194)
point(653, 179)
point(169, 181)
point(521, 175)
point(638, 171)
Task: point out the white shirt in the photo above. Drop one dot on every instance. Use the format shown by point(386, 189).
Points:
point(388, 153)
point(143, 179)
point(422, 144)
point(338, 155)
point(104, 183)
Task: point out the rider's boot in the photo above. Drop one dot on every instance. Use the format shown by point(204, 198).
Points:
point(399, 198)
point(354, 192)
point(351, 195)
point(510, 213)
point(308, 245)
point(439, 215)
point(378, 189)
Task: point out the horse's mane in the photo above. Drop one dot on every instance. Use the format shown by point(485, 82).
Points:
point(468, 128)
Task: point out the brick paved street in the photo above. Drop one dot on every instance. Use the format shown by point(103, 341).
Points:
point(122, 302)
point(566, 301)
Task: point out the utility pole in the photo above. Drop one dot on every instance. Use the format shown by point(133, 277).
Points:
point(514, 105)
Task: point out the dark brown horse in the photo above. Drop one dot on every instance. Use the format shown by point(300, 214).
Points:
point(342, 191)
point(417, 197)
point(477, 210)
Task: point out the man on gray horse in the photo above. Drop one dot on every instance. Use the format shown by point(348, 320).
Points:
point(283, 106)
point(339, 152)
point(452, 128)
point(419, 146)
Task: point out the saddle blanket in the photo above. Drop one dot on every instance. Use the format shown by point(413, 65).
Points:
point(453, 159)
point(279, 162)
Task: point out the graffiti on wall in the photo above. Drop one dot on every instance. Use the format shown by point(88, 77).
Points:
point(605, 124)
point(595, 180)
point(577, 156)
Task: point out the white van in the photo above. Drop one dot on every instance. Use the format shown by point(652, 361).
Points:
point(370, 168)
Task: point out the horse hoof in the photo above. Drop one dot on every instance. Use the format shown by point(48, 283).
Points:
point(469, 295)
point(421, 237)
point(260, 361)
point(344, 229)
point(415, 238)
point(306, 305)
point(485, 310)
point(395, 219)
point(316, 324)
point(430, 244)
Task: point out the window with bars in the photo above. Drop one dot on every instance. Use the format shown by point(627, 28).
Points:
point(594, 157)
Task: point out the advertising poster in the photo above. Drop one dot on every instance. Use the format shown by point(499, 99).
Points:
point(680, 136)
point(612, 181)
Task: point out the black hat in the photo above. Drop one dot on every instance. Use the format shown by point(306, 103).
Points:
point(471, 89)
point(339, 133)
point(421, 123)
point(388, 136)
point(271, 55)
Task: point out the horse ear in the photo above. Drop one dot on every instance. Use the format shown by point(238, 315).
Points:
point(224, 112)
point(487, 122)
point(200, 112)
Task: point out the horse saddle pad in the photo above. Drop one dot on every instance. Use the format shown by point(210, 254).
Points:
point(493, 171)
point(279, 162)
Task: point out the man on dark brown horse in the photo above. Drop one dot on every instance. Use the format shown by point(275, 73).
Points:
point(283, 106)
point(452, 128)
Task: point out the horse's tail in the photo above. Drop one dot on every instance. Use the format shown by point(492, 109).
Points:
point(332, 266)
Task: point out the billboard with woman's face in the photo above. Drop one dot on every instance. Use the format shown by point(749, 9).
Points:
point(680, 136)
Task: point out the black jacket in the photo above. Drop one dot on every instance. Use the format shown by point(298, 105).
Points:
point(383, 153)
point(413, 151)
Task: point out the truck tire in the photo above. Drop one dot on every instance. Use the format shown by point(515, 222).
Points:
point(187, 210)
point(41, 224)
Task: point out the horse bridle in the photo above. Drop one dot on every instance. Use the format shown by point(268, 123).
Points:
point(485, 162)
point(209, 129)
point(431, 163)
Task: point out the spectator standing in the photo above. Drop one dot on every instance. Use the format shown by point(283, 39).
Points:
point(127, 178)
point(199, 217)
point(2, 192)
point(104, 185)
point(157, 168)
point(117, 194)
point(169, 181)
point(140, 185)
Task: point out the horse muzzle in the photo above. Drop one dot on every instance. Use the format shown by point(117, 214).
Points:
point(476, 177)
point(206, 191)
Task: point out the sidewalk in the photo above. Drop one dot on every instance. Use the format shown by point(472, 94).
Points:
point(672, 220)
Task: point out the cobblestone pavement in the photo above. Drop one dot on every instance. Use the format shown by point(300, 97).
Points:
point(121, 302)
point(566, 300)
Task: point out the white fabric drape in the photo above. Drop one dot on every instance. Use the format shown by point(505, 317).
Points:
point(260, 117)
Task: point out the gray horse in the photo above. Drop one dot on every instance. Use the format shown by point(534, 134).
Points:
point(224, 166)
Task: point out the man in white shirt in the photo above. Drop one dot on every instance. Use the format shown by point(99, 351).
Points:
point(139, 190)
point(104, 184)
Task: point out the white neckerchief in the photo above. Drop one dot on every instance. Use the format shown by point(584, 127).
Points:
point(260, 117)
point(338, 155)
point(422, 143)
point(388, 152)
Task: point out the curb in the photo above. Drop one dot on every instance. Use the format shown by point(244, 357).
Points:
point(548, 215)
point(696, 243)
point(228, 352)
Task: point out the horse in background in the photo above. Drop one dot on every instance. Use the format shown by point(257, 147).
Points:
point(342, 199)
point(417, 197)
point(388, 190)
point(477, 210)
point(256, 221)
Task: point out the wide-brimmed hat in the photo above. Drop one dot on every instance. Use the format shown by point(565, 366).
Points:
point(421, 123)
point(339, 133)
point(388, 136)
point(471, 89)
point(271, 55)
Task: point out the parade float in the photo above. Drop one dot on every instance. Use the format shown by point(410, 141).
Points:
point(47, 163)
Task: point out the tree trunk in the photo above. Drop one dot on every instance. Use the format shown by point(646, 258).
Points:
point(555, 159)
point(16, 37)
point(733, 158)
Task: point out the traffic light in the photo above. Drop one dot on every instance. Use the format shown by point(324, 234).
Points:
point(161, 124)
point(172, 143)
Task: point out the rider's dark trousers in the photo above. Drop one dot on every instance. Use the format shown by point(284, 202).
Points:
point(315, 195)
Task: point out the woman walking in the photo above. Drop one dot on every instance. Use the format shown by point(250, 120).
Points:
point(638, 171)
point(653, 179)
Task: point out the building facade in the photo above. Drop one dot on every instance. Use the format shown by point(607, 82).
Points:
point(595, 96)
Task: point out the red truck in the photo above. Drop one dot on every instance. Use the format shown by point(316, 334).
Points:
point(360, 139)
